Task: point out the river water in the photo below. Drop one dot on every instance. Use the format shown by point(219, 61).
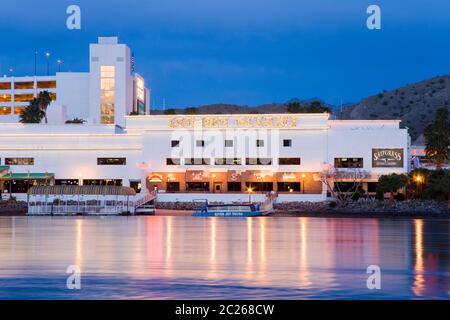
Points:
point(222, 258)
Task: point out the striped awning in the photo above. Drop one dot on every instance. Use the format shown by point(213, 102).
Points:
point(82, 190)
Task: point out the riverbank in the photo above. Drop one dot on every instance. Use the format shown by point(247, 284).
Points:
point(12, 208)
point(364, 208)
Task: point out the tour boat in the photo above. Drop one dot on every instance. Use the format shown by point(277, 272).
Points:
point(236, 209)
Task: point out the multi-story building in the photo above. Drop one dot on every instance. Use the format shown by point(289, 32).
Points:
point(184, 157)
point(104, 95)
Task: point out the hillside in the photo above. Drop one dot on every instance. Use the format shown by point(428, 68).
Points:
point(414, 104)
point(223, 108)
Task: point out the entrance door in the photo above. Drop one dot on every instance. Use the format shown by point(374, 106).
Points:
point(217, 187)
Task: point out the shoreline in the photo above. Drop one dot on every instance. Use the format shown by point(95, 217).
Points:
point(283, 214)
point(372, 209)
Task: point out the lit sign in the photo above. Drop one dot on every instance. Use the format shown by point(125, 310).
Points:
point(387, 158)
point(254, 121)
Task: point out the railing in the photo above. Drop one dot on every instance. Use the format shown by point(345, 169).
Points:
point(76, 209)
point(268, 204)
point(146, 198)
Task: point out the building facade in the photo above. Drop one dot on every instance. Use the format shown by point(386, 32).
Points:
point(104, 95)
point(183, 157)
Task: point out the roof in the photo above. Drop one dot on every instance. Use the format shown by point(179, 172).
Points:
point(82, 190)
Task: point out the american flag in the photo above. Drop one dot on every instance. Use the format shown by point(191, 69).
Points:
point(132, 62)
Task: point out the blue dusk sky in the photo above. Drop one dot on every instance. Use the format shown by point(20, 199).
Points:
point(240, 51)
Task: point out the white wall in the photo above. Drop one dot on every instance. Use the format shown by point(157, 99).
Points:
point(72, 91)
point(357, 139)
point(109, 52)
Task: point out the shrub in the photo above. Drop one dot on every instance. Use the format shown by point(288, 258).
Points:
point(400, 197)
point(332, 204)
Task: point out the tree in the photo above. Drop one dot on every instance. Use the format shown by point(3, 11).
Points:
point(391, 183)
point(44, 100)
point(437, 135)
point(295, 107)
point(439, 184)
point(317, 107)
point(75, 121)
point(191, 110)
point(314, 107)
point(32, 113)
point(169, 112)
point(353, 177)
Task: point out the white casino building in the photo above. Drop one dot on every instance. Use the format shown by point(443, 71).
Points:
point(215, 157)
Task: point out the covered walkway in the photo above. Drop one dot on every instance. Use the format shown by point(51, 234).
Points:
point(73, 199)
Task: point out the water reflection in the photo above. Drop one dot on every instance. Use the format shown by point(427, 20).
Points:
point(184, 257)
point(419, 281)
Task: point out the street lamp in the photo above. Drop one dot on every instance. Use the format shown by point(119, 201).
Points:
point(419, 180)
point(47, 56)
point(59, 62)
point(249, 189)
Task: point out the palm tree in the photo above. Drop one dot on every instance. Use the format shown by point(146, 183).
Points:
point(32, 113)
point(44, 99)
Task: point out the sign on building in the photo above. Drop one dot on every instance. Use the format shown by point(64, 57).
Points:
point(387, 158)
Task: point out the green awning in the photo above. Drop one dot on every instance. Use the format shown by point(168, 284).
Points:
point(3, 168)
point(28, 176)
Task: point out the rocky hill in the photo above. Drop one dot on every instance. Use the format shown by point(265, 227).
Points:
point(224, 108)
point(414, 104)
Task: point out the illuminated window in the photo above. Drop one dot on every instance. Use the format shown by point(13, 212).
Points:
point(348, 162)
point(258, 161)
point(18, 110)
point(46, 84)
point(19, 161)
point(107, 94)
point(24, 85)
point(5, 85)
point(53, 96)
point(111, 161)
point(107, 71)
point(5, 110)
point(196, 161)
point(288, 161)
point(228, 161)
point(23, 97)
point(5, 98)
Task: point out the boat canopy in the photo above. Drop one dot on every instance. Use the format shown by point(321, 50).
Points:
point(82, 190)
